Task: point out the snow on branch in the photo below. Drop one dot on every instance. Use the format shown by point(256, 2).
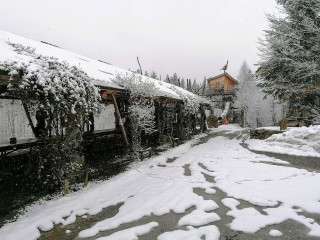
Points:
point(53, 84)
point(191, 101)
point(64, 96)
point(141, 93)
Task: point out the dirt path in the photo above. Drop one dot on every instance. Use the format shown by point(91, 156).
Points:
point(169, 222)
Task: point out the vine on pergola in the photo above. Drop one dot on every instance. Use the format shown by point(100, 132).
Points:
point(141, 110)
point(64, 94)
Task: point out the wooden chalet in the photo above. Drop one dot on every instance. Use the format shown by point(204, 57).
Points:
point(223, 84)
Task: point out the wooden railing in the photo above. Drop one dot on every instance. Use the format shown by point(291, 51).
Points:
point(228, 91)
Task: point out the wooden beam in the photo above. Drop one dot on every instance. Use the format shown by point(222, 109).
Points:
point(4, 78)
point(123, 131)
point(106, 93)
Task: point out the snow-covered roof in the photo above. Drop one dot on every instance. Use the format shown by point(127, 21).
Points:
point(102, 73)
point(223, 74)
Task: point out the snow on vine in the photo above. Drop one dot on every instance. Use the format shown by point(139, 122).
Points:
point(51, 83)
point(141, 110)
point(191, 101)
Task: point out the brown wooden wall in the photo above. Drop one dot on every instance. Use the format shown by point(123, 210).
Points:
point(224, 82)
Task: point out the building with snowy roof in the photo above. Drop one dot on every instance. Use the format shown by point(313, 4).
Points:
point(20, 123)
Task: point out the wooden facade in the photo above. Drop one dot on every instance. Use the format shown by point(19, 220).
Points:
point(222, 84)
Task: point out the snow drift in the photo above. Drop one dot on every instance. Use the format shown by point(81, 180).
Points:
point(304, 141)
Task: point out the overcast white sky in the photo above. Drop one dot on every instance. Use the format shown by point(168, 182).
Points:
point(191, 38)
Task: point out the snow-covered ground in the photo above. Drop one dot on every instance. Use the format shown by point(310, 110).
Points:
point(303, 141)
point(157, 186)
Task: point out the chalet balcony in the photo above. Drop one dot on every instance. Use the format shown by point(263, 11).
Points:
point(222, 91)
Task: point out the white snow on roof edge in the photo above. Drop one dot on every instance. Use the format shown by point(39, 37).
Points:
point(101, 72)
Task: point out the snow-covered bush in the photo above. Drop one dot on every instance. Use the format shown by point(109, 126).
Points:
point(64, 96)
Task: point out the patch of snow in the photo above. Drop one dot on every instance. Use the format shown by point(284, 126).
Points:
point(131, 233)
point(68, 231)
point(210, 191)
point(208, 232)
point(271, 128)
point(226, 110)
point(275, 233)
point(198, 218)
point(230, 203)
point(304, 141)
point(250, 220)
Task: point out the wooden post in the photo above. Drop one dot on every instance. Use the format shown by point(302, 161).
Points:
point(29, 117)
point(66, 186)
point(283, 124)
point(86, 179)
point(123, 131)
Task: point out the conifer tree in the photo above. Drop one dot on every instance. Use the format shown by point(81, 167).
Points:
point(183, 83)
point(167, 79)
point(153, 75)
point(175, 79)
point(290, 55)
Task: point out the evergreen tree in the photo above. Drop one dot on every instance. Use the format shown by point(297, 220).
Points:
point(195, 87)
point(183, 83)
point(175, 79)
point(290, 55)
point(146, 73)
point(167, 79)
point(153, 75)
point(189, 85)
point(204, 87)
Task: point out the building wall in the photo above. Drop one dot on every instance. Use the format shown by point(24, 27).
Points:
point(224, 82)
point(213, 83)
point(105, 119)
point(13, 121)
point(228, 83)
